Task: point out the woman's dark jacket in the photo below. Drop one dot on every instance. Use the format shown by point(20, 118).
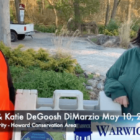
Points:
point(123, 79)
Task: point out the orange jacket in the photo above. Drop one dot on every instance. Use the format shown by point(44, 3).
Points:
point(5, 102)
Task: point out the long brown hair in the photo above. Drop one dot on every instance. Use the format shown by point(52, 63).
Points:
point(137, 39)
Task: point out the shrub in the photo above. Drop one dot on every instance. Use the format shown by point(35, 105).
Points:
point(45, 29)
point(12, 16)
point(46, 82)
point(78, 69)
point(111, 29)
point(133, 34)
point(111, 33)
point(115, 32)
point(113, 25)
point(136, 25)
point(101, 29)
point(40, 58)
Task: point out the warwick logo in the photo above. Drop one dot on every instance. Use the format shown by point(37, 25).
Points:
point(105, 130)
point(83, 130)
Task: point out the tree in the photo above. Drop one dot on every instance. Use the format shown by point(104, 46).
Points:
point(116, 3)
point(17, 2)
point(43, 4)
point(55, 11)
point(129, 11)
point(107, 12)
point(84, 8)
point(77, 15)
point(5, 22)
point(78, 9)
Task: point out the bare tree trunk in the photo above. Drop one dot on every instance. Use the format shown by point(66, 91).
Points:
point(77, 14)
point(5, 22)
point(129, 11)
point(116, 2)
point(107, 12)
point(55, 12)
point(43, 4)
point(17, 10)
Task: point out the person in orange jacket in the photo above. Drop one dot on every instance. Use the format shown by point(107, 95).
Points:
point(7, 92)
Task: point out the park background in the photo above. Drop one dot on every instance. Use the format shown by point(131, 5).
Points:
point(47, 72)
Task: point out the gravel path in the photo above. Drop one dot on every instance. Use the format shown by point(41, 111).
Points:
point(91, 57)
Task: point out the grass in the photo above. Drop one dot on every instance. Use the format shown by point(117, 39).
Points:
point(45, 29)
point(46, 81)
point(78, 69)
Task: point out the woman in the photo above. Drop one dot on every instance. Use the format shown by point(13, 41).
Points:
point(4, 71)
point(123, 80)
point(7, 93)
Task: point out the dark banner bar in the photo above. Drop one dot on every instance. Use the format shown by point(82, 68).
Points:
point(53, 120)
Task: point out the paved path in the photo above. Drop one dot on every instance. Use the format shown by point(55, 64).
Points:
point(91, 57)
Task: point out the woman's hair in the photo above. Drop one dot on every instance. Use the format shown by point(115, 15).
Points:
point(137, 39)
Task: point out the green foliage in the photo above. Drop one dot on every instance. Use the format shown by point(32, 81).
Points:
point(90, 76)
point(114, 32)
point(41, 4)
point(88, 7)
point(41, 59)
point(111, 33)
point(65, 8)
point(12, 16)
point(113, 25)
point(136, 25)
point(133, 34)
point(45, 29)
point(111, 29)
point(135, 28)
point(78, 69)
point(101, 29)
point(105, 31)
point(46, 81)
